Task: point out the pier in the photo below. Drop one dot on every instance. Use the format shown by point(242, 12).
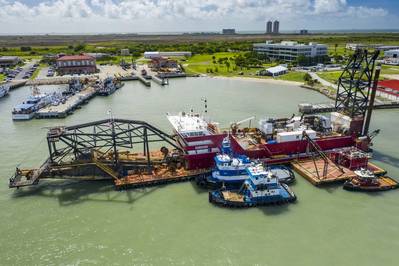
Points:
point(145, 81)
point(64, 109)
point(160, 81)
point(309, 108)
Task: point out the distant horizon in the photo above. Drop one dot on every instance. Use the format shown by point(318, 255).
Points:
point(321, 31)
point(23, 17)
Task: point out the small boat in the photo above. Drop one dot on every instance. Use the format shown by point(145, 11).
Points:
point(28, 109)
point(4, 89)
point(261, 188)
point(367, 181)
point(108, 87)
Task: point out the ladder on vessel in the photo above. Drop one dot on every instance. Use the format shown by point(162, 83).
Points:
point(105, 168)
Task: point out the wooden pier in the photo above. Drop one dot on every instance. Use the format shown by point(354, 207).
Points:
point(311, 171)
point(64, 109)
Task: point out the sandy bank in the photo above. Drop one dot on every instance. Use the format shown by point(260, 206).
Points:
point(270, 81)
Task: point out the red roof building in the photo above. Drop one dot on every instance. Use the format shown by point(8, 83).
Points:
point(76, 64)
point(388, 89)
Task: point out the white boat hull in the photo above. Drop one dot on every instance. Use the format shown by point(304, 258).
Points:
point(23, 116)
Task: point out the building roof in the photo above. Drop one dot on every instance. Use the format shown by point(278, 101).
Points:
point(391, 84)
point(75, 57)
point(9, 58)
point(276, 69)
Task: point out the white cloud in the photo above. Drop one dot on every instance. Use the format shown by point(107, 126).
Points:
point(182, 12)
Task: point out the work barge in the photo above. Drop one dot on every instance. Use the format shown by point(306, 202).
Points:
point(115, 149)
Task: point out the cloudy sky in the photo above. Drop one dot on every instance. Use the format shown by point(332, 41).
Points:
point(101, 16)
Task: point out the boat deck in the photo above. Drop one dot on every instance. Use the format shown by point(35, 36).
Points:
point(158, 177)
point(309, 169)
point(232, 196)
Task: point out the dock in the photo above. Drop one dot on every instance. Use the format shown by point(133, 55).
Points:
point(309, 108)
point(64, 109)
point(310, 170)
point(160, 81)
point(144, 81)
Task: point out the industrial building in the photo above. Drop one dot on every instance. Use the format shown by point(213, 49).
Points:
point(7, 61)
point(355, 46)
point(303, 32)
point(290, 51)
point(150, 55)
point(391, 57)
point(76, 64)
point(273, 71)
point(163, 62)
point(269, 27)
point(229, 31)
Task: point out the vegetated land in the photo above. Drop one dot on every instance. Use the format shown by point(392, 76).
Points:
point(213, 54)
point(331, 76)
point(2, 77)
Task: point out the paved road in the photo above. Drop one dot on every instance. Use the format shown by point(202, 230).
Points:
point(322, 81)
point(25, 69)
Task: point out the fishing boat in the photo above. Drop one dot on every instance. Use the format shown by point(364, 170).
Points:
point(108, 87)
point(28, 109)
point(261, 188)
point(4, 89)
point(367, 181)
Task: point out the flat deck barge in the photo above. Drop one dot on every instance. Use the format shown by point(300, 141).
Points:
point(309, 169)
point(158, 177)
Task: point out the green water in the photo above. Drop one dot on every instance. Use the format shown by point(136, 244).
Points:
point(71, 223)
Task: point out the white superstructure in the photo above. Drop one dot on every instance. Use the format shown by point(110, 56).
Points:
point(190, 125)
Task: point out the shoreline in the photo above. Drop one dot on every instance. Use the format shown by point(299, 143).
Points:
point(270, 81)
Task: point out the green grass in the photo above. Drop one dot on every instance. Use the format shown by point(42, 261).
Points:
point(293, 76)
point(390, 70)
point(2, 77)
point(331, 76)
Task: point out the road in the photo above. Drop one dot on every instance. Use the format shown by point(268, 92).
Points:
point(25, 69)
point(322, 81)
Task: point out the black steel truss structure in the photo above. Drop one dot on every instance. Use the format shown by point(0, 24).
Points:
point(355, 82)
point(72, 143)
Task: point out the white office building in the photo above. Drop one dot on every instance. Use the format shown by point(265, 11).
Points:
point(290, 51)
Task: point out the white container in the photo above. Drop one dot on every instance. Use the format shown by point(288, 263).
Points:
point(294, 135)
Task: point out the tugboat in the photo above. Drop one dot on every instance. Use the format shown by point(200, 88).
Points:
point(231, 171)
point(367, 181)
point(261, 188)
point(108, 87)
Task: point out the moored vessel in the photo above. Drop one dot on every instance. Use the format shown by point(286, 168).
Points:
point(365, 180)
point(4, 89)
point(261, 188)
point(28, 109)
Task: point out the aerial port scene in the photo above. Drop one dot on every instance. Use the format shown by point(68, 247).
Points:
point(199, 132)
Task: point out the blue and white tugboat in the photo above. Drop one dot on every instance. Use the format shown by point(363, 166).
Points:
point(108, 87)
point(230, 170)
point(261, 188)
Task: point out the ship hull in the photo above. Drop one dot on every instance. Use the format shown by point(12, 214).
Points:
point(23, 116)
point(274, 153)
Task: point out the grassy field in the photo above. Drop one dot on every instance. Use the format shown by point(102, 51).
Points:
point(208, 64)
point(293, 76)
point(390, 70)
point(331, 76)
point(2, 77)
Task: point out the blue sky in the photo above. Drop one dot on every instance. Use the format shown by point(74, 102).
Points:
point(93, 16)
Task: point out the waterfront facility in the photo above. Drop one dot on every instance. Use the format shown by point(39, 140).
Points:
point(76, 64)
point(388, 89)
point(290, 51)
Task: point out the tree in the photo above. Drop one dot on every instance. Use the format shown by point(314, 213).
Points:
point(26, 48)
point(227, 63)
point(307, 77)
point(335, 46)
